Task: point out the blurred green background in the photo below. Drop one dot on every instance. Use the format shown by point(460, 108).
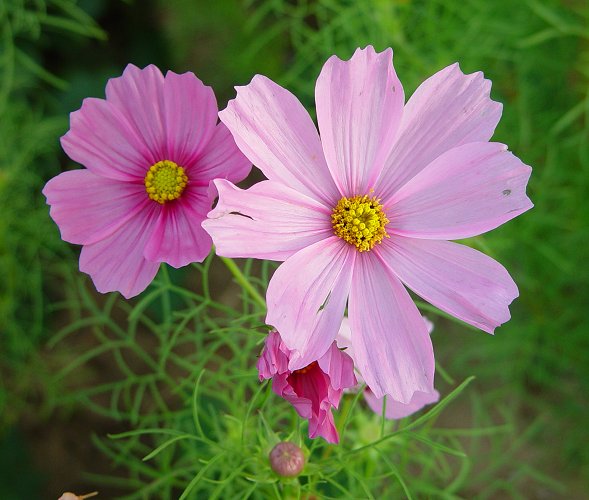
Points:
point(532, 376)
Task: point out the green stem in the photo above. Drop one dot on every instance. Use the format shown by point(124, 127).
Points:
point(243, 281)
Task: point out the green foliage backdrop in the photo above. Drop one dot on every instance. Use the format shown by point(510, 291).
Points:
point(170, 375)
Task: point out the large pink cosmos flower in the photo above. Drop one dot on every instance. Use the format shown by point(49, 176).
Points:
point(150, 150)
point(314, 389)
point(393, 409)
point(369, 206)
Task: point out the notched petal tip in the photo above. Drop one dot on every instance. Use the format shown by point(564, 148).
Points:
point(132, 68)
point(78, 114)
point(368, 51)
point(221, 186)
point(131, 72)
point(371, 51)
point(472, 79)
point(230, 113)
point(185, 74)
point(188, 77)
point(257, 79)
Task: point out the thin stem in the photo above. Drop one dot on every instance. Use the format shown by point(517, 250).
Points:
point(243, 281)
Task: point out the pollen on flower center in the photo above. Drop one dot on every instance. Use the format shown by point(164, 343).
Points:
point(360, 221)
point(165, 181)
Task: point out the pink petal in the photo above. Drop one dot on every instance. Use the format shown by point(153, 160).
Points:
point(392, 347)
point(139, 94)
point(273, 359)
point(466, 191)
point(281, 386)
point(178, 237)
point(221, 159)
point(344, 342)
point(457, 279)
point(324, 426)
point(344, 337)
point(267, 221)
point(340, 368)
point(447, 110)
point(276, 133)
point(116, 263)
point(396, 410)
point(190, 116)
point(306, 298)
point(102, 139)
point(359, 108)
point(88, 208)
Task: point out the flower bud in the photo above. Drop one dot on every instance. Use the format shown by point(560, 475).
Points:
point(287, 459)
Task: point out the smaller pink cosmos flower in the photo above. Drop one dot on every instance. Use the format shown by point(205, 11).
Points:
point(393, 409)
point(312, 390)
point(150, 151)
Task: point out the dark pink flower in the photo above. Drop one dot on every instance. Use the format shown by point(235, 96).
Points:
point(150, 151)
point(314, 389)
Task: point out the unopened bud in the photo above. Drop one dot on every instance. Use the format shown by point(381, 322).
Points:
point(287, 459)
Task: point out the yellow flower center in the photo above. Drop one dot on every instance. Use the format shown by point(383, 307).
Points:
point(165, 181)
point(360, 221)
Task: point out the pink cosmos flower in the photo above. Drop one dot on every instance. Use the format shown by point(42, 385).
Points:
point(150, 150)
point(314, 389)
point(369, 206)
point(393, 409)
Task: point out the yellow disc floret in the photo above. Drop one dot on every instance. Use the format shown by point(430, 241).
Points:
point(360, 221)
point(165, 181)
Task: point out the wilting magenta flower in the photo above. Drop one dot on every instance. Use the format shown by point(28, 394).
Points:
point(150, 150)
point(314, 389)
point(369, 206)
point(393, 409)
